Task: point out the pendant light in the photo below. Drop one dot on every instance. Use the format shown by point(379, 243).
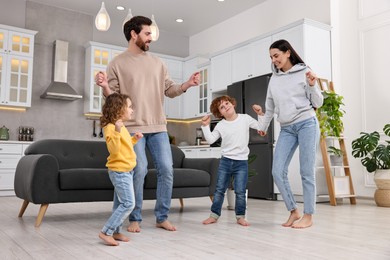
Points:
point(154, 29)
point(102, 20)
point(128, 17)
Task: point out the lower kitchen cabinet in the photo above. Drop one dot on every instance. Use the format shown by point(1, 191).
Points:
point(201, 151)
point(10, 154)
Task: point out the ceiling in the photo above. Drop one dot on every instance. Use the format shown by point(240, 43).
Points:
point(198, 15)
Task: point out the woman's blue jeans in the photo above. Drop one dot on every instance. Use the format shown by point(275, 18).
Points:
point(160, 149)
point(123, 201)
point(227, 169)
point(304, 134)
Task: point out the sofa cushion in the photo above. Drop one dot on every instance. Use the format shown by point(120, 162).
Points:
point(85, 179)
point(182, 178)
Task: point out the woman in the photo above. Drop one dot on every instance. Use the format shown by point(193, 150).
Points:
point(293, 95)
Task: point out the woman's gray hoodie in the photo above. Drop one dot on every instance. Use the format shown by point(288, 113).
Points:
point(290, 97)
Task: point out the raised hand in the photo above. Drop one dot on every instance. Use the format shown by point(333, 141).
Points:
point(258, 110)
point(118, 125)
point(311, 78)
point(206, 120)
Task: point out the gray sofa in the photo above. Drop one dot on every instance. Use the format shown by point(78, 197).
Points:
point(61, 171)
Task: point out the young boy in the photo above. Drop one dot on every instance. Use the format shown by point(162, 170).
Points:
point(234, 130)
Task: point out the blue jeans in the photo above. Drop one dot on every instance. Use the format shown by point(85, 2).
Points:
point(123, 201)
point(304, 134)
point(160, 149)
point(231, 168)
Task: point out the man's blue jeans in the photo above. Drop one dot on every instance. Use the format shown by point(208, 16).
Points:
point(304, 134)
point(160, 149)
point(239, 170)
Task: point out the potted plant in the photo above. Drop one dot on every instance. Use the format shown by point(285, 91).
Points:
point(335, 155)
point(376, 158)
point(330, 113)
point(230, 195)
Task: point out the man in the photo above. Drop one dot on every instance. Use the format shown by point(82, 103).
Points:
point(145, 79)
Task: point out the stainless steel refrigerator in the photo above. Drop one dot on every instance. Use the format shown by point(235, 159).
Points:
point(247, 93)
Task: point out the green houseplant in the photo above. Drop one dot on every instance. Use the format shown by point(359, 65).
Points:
point(330, 114)
point(336, 156)
point(375, 157)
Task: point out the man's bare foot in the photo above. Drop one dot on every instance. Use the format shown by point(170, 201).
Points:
point(134, 227)
point(305, 222)
point(108, 240)
point(120, 237)
point(166, 225)
point(243, 222)
point(210, 220)
point(294, 216)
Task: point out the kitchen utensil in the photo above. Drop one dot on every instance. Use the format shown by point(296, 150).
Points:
point(94, 129)
point(101, 132)
point(4, 133)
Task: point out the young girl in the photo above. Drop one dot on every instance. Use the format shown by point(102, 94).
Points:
point(120, 164)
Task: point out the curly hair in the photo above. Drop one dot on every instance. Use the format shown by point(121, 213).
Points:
point(214, 107)
point(113, 109)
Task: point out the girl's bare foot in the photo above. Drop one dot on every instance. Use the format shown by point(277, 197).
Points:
point(305, 222)
point(108, 240)
point(134, 227)
point(294, 216)
point(120, 237)
point(243, 222)
point(210, 220)
point(166, 225)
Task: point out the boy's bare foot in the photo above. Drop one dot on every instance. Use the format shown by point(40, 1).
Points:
point(120, 237)
point(243, 222)
point(305, 222)
point(294, 216)
point(166, 225)
point(134, 227)
point(108, 240)
point(210, 220)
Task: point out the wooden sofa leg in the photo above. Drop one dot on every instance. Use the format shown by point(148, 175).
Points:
point(181, 203)
point(211, 197)
point(41, 214)
point(23, 208)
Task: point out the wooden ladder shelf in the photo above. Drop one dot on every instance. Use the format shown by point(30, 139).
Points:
point(338, 186)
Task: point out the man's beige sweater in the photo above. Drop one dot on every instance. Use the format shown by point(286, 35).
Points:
point(143, 77)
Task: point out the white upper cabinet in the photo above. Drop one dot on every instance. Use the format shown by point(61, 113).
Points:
point(16, 66)
point(251, 60)
point(221, 72)
point(189, 100)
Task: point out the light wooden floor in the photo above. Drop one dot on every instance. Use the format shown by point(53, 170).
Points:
point(70, 231)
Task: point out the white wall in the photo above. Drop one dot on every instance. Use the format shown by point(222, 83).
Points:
point(261, 19)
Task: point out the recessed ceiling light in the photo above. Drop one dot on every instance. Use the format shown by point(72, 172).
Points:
point(179, 20)
point(120, 8)
point(221, 0)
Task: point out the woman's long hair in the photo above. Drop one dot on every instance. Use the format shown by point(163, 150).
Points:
point(285, 46)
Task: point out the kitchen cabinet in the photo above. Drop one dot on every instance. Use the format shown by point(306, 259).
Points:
point(201, 152)
point(16, 66)
point(221, 72)
point(251, 60)
point(10, 154)
point(97, 57)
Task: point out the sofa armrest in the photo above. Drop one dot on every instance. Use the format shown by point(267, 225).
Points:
point(37, 179)
point(209, 165)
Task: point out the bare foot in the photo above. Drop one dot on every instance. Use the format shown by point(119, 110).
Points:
point(294, 216)
point(108, 240)
point(210, 220)
point(134, 227)
point(243, 222)
point(305, 222)
point(120, 237)
point(166, 225)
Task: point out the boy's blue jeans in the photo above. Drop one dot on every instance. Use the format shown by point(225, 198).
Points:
point(227, 169)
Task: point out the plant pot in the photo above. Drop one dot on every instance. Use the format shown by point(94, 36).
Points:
point(382, 194)
point(231, 198)
point(336, 160)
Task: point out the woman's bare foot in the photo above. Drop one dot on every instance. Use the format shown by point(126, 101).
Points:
point(243, 222)
point(305, 222)
point(166, 225)
point(294, 216)
point(134, 227)
point(120, 237)
point(210, 220)
point(108, 240)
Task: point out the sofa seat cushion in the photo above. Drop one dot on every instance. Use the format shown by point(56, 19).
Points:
point(182, 178)
point(85, 179)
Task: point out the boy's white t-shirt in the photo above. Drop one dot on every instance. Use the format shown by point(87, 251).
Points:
point(234, 134)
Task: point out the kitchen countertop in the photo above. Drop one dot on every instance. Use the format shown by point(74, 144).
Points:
point(15, 142)
point(196, 146)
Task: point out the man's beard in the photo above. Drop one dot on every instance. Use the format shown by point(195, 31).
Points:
point(141, 44)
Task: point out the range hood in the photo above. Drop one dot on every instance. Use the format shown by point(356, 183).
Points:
point(59, 88)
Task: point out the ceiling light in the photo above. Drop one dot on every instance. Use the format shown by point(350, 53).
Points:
point(154, 29)
point(128, 17)
point(102, 20)
point(120, 8)
point(179, 20)
point(221, 0)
